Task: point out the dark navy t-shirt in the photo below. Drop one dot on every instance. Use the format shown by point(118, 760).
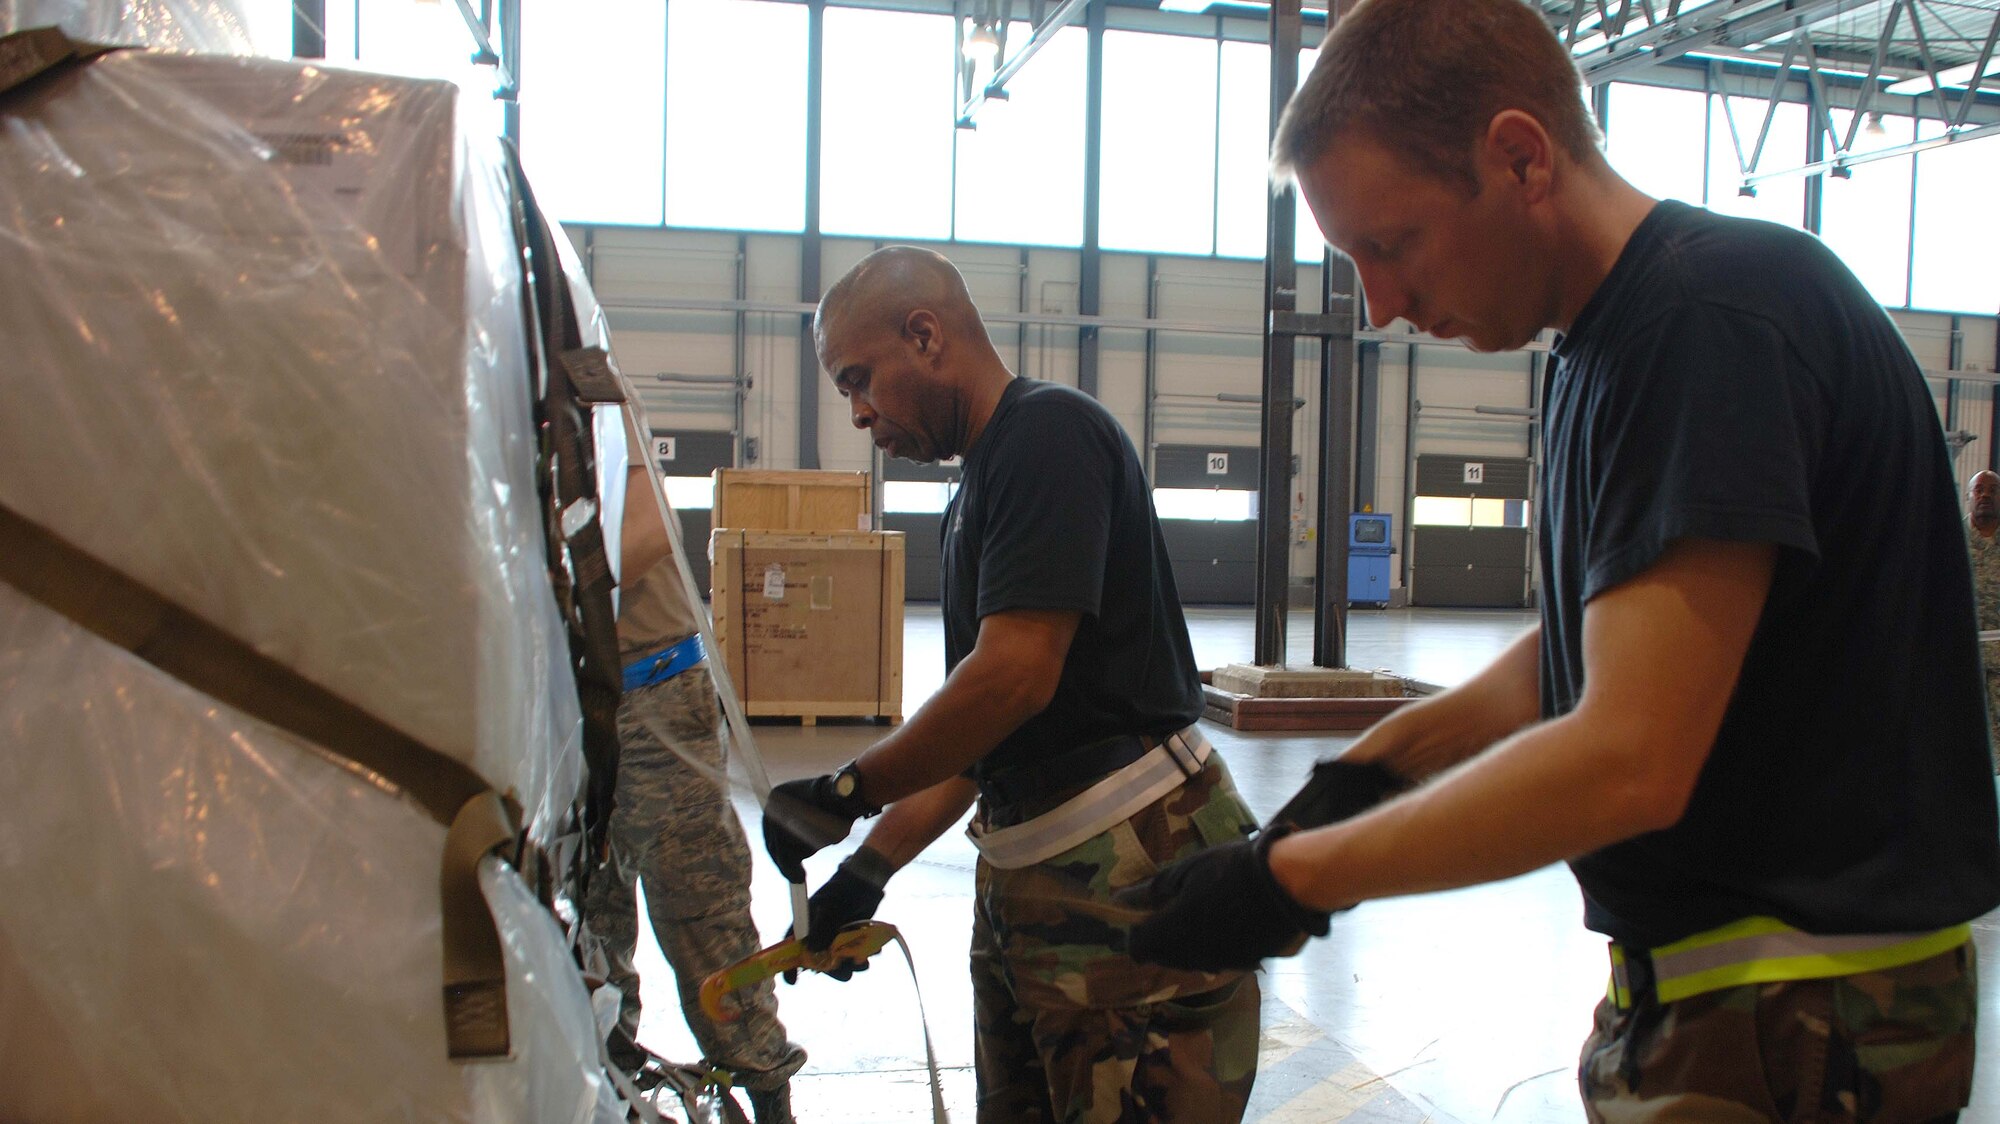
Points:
point(1731, 380)
point(1053, 512)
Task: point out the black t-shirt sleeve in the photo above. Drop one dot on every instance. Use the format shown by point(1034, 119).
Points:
point(1047, 514)
point(1702, 440)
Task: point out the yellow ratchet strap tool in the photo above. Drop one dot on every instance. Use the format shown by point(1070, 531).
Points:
point(856, 943)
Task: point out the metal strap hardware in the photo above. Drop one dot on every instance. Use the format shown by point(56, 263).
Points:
point(1112, 800)
point(1764, 950)
point(112, 606)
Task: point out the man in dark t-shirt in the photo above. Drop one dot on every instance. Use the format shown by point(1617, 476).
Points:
point(1751, 718)
point(1068, 716)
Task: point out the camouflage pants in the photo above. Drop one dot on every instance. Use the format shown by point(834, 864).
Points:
point(1894, 1047)
point(1993, 711)
point(674, 830)
point(1067, 1028)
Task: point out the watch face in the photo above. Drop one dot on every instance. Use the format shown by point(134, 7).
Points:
point(844, 783)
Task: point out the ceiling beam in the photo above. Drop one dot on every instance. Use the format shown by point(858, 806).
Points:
point(1729, 23)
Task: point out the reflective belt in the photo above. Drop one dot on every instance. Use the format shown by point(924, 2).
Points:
point(665, 663)
point(1110, 801)
point(1764, 950)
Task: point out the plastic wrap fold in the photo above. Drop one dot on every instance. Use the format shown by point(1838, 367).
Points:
point(211, 26)
point(266, 355)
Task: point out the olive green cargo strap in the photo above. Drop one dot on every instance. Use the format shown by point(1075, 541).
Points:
point(1764, 950)
point(121, 611)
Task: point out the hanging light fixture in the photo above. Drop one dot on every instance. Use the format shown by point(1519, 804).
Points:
point(983, 45)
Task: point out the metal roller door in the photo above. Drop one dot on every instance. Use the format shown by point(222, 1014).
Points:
point(1472, 566)
point(1214, 560)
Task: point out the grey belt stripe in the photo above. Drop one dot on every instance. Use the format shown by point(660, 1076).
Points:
point(1109, 801)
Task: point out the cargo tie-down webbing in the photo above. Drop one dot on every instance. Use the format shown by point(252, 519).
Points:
point(121, 611)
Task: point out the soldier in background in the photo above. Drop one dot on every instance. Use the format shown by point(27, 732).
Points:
point(1982, 518)
point(673, 828)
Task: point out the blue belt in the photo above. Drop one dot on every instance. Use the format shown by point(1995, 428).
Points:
point(664, 664)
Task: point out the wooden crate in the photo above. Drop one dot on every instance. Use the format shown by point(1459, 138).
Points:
point(753, 499)
point(811, 624)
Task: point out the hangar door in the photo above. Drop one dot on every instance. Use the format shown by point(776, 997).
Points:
point(1469, 526)
point(688, 459)
point(1206, 496)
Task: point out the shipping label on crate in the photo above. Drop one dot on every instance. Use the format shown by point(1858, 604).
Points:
point(774, 582)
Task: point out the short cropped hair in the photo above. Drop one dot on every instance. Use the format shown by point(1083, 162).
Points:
point(1424, 78)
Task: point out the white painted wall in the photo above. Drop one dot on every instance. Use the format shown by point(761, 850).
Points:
point(634, 268)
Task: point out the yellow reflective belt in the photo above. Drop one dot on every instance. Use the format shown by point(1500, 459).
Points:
point(1765, 950)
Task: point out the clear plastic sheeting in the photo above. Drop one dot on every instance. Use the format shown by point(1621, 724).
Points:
point(266, 354)
point(267, 357)
point(209, 26)
point(208, 920)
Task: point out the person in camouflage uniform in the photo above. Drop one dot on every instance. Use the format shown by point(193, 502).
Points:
point(1068, 716)
point(1982, 519)
point(673, 829)
point(1751, 717)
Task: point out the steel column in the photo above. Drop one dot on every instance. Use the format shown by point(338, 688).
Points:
point(1281, 296)
point(1367, 421)
point(1091, 260)
point(809, 241)
point(1336, 476)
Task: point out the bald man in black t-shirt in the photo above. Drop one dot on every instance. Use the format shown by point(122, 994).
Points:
point(1068, 715)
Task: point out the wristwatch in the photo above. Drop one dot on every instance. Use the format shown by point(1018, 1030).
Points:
point(847, 786)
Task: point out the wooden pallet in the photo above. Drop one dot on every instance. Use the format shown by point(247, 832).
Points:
point(1248, 712)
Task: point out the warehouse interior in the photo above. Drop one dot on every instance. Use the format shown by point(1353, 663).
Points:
point(1098, 172)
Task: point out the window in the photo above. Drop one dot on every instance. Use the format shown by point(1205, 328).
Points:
point(591, 109)
point(1780, 201)
point(736, 118)
point(1225, 505)
point(1020, 173)
point(1657, 140)
point(1158, 186)
point(1957, 239)
point(689, 493)
point(1866, 218)
point(1243, 186)
point(414, 40)
point(1243, 155)
point(1461, 511)
point(920, 497)
point(886, 152)
point(420, 40)
point(1441, 511)
point(1310, 244)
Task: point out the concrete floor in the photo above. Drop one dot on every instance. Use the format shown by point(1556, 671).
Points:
point(1455, 1007)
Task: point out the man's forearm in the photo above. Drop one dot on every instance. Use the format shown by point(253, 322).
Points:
point(914, 822)
point(973, 712)
point(1428, 737)
point(1552, 792)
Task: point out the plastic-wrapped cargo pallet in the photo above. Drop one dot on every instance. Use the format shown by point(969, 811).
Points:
point(266, 356)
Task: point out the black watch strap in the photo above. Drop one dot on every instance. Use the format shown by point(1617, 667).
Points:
point(846, 786)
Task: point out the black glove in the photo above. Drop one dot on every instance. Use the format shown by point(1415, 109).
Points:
point(1220, 909)
point(1338, 790)
point(805, 815)
point(852, 894)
